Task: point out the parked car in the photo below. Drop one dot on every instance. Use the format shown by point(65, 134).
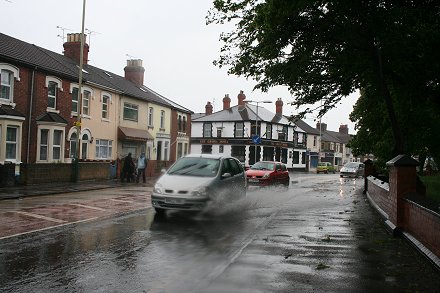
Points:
point(266, 173)
point(325, 167)
point(194, 180)
point(352, 169)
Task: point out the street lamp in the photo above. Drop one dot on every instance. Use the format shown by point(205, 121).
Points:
point(80, 81)
point(256, 122)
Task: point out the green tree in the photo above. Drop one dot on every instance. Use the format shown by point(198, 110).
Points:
point(325, 50)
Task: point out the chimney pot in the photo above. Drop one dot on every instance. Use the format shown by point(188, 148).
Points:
point(226, 102)
point(134, 71)
point(208, 108)
point(241, 98)
point(72, 48)
point(279, 106)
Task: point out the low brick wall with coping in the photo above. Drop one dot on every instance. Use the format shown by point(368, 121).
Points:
point(408, 213)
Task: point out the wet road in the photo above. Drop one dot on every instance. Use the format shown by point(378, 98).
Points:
point(320, 235)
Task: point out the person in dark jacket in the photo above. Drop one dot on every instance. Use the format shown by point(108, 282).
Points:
point(128, 169)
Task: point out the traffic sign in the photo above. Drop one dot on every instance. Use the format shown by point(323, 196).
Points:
point(256, 139)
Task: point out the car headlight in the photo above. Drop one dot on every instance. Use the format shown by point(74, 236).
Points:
point(266, 175)
point(158, 188)
point(200, 191)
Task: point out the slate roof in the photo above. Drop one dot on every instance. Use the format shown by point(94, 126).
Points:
point(29, 55)
point(51, 117)
point(247, 112)
point(9, 111)
point(306, 127)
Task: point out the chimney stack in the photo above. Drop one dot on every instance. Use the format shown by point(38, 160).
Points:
point(241, 98)
point(72, 48)
point(208, 108)
point(343, 128)
point(323, 126)
point(226, 102)
point(134, 71)
point(279, 106)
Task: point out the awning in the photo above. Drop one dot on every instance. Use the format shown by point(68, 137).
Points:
point(126, 133)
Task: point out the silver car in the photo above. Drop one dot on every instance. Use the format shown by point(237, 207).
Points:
point(194, 180)
point(352, 169)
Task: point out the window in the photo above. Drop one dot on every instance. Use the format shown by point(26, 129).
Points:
point(207, 129)
point(165, 150)
point(219, 132)
point(75, 100)
point(162, 119)
point(44, 142)
point(56, 146)
point(6, 85)
point(269, 131)
point(184, 124)
point(130, 112)
point(150, 116)
point(84, 146)
point(11, 143)
point(72, 140)
point(315, 139)
point(105, 103)
point(179, 123)
point(206, 149)
point(52, 95)
point(179, 150)
point(86, 103)
point(255, 128)
point(220, 149)
point(239, 129)
point(103, 149)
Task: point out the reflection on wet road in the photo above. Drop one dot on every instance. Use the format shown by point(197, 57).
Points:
point(320, 235)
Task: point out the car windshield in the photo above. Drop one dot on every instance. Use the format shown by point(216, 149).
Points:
point(195, 166)
point(351, 165)
point(263, 166)
point(322, 164)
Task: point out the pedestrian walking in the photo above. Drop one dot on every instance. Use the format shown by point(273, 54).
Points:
point(128, 169)
point(142, 163)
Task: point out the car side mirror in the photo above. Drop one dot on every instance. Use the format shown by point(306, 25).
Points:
point(226, 175)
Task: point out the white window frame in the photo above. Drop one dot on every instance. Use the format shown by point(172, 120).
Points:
point(16, 75)
point(85, 103)
point(72, 88)
point(162, 119)
point(150, 117)
point(131, 107)
point(239, 132)
point(14, 143)
point(105, 113)
point(73, 144)
point(52, 96)
point(52, 79)
point(103, 144)
point(50, 143)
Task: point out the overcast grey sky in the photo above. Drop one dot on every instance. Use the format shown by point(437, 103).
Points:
point(170, 36)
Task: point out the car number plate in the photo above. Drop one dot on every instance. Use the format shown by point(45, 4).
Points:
point(174, 200)
point(253, 180)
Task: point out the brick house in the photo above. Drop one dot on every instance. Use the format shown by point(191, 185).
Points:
point(40, 103)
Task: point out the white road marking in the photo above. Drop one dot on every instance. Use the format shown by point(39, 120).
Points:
point(47, 228)
point(88, 207)
point(40, 217)
point(120, 200)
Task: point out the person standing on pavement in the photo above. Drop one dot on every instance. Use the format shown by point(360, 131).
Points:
point(128, 168)
point(141, 167)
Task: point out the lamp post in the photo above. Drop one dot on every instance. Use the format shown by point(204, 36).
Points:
point(79, 110)
point(256, 122)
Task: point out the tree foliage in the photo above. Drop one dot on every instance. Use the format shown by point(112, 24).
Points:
point(325, 50)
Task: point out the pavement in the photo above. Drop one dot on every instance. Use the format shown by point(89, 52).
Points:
point(14, 192)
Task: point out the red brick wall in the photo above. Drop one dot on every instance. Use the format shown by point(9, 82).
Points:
point(379, 192)
point(424, 225)
point(56, 172)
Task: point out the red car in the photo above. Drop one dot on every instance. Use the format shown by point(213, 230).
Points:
point(266, 173)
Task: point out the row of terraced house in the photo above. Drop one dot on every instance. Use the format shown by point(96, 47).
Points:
point(40, 105)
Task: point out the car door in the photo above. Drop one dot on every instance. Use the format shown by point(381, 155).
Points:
point(227, 179)
point(278, 173)
point(239, 182)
